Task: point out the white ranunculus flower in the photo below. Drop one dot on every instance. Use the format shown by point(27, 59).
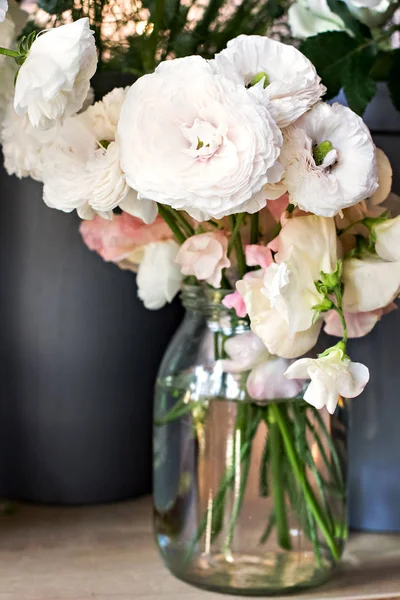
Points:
point(387, 244)
point(198, 141)
point(331, 376)
point(3, 10)
point(293, 84)
point(159, 278)
point(8, 67)
point(372, 12)
point(370, 283)
point(310, 17)
point(84, 172)
point(26, 149)
point(55, 78)
point(348, 172)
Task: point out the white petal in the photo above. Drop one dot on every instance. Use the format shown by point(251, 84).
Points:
point(267, 381)
point(387, 243)
point(159, 279)
point(370, 283)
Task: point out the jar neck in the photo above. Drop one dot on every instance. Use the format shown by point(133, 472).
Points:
point(203, 302)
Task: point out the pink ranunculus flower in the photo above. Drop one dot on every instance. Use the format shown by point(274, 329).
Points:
point(358, 324)
point(123, 238)
point(235, 301)
point(205, 257)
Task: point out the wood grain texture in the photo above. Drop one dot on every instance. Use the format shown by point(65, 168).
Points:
point(107, 553)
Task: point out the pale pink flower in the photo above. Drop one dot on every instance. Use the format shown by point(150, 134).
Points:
point(358, 324)
point(205, 257)
point(278, 207)
point(123, 237)
point(266, 380)
point(258, 256)
point(235, 301)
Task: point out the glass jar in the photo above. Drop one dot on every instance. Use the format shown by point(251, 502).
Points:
point(249, 495)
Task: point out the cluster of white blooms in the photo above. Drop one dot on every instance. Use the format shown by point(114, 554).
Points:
point(241, 133)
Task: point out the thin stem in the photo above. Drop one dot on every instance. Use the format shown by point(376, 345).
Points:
point(172, 224)
point(254, 231)
point(11, 53)
point(157, 22)
point(278, 489)
point(188, 229)
point(295, 462)
point(236, 242)
point(216, 345)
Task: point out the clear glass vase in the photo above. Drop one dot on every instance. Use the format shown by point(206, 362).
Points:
point(250, 496)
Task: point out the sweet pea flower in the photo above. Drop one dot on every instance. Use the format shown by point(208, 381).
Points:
point(387, 239)
point(370, 283)
point(54, 80)
point(235, 302)
point(205, 256)
point(159, 278)
point(280, 298)
point(266, 379)
point(330, 161)
point(286, 78)
point(358, 324)
point(258, 256)
point(385, 177)
point(123, 238)
point(3, 10)
point(198, 141)
point(332, 375)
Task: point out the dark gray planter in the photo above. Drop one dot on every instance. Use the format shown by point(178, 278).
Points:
point(78, 358)
point(374, 448)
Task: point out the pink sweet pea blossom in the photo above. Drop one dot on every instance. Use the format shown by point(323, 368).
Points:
point(205, 257)
point(258, 256)
point(236, 302)
point(358, 324)
point(122, 236)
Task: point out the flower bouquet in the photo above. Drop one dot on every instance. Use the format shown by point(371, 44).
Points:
point(231, 180)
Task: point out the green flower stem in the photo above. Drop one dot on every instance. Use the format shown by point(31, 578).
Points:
point(236, 242)
point(278, 486)
point(243, 420)
point(188, 229)
point(254, 231)
point(295, 462)
point(10, 53)
point(169, 218)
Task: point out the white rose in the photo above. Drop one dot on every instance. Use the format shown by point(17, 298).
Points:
point(348, 172)
point(387, 239)
point(197, 141)
point(331, 376)
point(55, 78)
point(159, 278)
point(3, 10)
point(84, 172)
point(310, 17)
point(292, 85)
point(370, 283)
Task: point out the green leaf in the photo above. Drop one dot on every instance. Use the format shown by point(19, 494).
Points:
point(329, 52)
point(359, 29)
point(394, 78)
point(381, 68)
point(358, 85)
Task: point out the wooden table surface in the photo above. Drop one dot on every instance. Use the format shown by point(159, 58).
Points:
point(107, 553)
